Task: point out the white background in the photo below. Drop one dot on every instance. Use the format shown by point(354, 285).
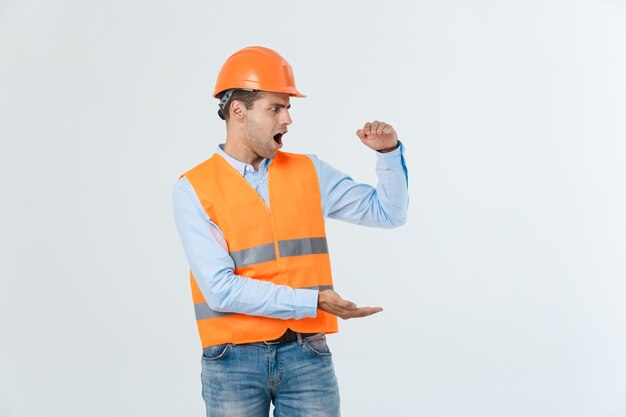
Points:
point(503, 294)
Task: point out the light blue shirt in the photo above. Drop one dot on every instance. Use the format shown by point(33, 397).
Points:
point(342, 198)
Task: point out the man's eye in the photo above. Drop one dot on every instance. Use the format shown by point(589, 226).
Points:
point(274, 109)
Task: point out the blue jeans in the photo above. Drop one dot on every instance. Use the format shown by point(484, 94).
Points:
point(298, 377)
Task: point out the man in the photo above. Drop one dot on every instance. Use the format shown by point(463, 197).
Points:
point(251, 220)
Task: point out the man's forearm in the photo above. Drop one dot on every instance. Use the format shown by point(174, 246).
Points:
point(236, 294)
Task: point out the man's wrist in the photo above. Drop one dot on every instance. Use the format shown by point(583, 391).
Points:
point(306, 302)
point(393, 148)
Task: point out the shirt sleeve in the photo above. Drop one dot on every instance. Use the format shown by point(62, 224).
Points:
point(213, 268)
point(384, 206)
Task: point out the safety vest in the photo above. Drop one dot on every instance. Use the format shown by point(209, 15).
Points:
point(284, 244)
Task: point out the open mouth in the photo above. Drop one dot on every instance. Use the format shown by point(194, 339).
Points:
point(278, 138)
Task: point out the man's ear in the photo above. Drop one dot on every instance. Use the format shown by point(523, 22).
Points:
point(237, 109)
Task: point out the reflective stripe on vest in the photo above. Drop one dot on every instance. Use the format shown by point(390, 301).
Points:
point(285, 246)
point(293, 247)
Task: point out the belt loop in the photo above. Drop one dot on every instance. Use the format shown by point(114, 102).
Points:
point(299, 336)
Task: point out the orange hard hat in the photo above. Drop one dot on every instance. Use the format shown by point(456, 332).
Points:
point(257, 68)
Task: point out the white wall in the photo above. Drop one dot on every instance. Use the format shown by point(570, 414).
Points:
point(503, 294)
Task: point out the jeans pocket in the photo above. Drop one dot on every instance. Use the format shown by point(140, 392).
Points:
point(215, 353)
point(317, 344)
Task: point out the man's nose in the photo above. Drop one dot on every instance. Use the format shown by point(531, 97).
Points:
point(286, 118)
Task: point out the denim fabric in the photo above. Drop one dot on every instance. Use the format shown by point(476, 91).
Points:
point(297, 377)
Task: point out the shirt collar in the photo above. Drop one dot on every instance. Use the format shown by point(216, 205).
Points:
point(241, 167)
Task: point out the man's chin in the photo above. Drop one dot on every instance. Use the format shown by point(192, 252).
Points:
point(272, 153)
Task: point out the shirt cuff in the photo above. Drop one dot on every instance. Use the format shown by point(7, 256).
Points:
point(306, 300)
point(389, 159)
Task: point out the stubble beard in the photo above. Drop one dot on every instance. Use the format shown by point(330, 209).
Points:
point(259, 146)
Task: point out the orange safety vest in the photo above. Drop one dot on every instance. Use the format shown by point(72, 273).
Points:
point(285, 244)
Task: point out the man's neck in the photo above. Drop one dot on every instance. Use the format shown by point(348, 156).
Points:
point(241, 153)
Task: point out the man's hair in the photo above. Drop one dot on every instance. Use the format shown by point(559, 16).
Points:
point(246, 97)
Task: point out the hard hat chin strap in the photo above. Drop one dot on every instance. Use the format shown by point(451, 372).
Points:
point(226, 98)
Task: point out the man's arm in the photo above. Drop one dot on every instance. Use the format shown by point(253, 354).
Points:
point(213, 268)
point(383, 206)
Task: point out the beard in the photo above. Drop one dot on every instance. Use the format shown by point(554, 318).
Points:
point(262, 144)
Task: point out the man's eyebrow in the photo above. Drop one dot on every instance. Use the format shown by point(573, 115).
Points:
point(282, 106)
